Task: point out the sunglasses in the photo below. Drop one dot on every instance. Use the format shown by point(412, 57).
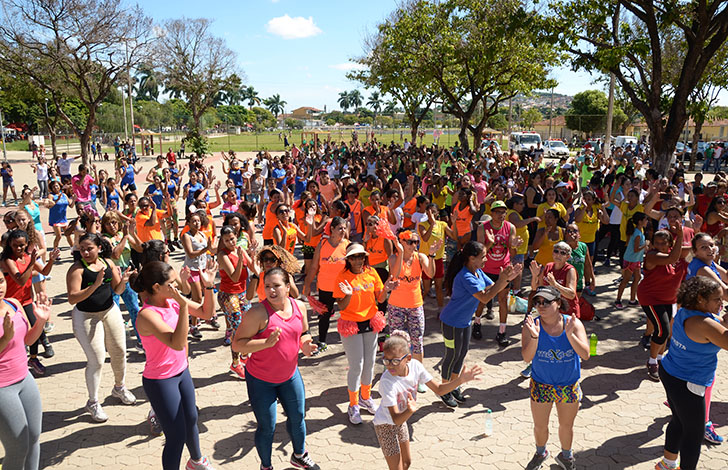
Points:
point(269, 259)
point(351, 192)
point(561, 252)
point(359, 256)
point(541, 303)
point(394, 362)
point(411, 242)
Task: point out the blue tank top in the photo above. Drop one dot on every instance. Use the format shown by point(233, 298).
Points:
point(112, 196)
point(696, 265)
point(34, 212)
point(156, 194)
point(57, 213)
point(688, 360)
point(172, 189)
point(128, 176)
point(236, 176)
point(556, 362)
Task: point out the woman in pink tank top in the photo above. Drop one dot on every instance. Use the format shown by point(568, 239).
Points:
point(20, 405)
point(163, 323)
point(273, 332)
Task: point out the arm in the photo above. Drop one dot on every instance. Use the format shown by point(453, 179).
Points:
point(227, 265)
point(576, 335)
point(654, 258)
point(568, 291)
point(73, 282)
point(255, 320)
point(151, 323)
point(21, 277)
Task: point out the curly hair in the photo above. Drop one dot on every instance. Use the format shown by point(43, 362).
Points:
point(33, 236)
point(398, 341)
point(694, 288)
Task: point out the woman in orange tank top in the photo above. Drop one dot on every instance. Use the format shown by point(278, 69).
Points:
point(270, 216)
point(272, 257)
point(286, 233)
point(314, 231)
point(462, 216)
point(328, 260)
point(379, 249)
point(405, 310)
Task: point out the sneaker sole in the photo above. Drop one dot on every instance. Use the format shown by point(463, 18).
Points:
point(654, 379)
point(711, 441)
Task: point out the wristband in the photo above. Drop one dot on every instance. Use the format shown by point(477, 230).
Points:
point(210, 288)
point(304, 333)
point(534, 337)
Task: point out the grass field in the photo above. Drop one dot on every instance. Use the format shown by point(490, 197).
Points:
point(248, 142)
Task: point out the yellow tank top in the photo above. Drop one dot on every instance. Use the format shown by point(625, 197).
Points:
point(546, 250)
point(589, 225)
point(520, 232)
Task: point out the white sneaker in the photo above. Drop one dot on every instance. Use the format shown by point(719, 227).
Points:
point(97, 413)
point(368, 405)
point(203, 464)
point(124, 395)
point(354, 416)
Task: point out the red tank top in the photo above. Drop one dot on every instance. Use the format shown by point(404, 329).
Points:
point(499, 255)
point(560, 276)
point(20, 293)
point(659, 285)
point(279, 363)
point(227, 285)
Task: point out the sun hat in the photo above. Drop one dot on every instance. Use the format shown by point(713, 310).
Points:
point(355, 249)
point(498, 205)
point(548, 293)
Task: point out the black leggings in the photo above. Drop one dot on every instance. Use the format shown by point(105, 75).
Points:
point(614, 238)
point(173, 401)
point(684, 434)
point(326, 298)
point(31, 319)
point(383, 275)
point(457, 343)
point(660, 317)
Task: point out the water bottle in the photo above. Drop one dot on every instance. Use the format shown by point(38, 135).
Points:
point(593, 344)
point(488, 422)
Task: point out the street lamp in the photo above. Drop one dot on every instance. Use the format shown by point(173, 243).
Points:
point(2, 135)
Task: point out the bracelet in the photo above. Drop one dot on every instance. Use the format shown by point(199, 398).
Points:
point(431, 256)
point(304, 333)
point(210, 288)
point(534, 337)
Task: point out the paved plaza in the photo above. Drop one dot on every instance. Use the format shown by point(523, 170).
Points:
point(620, 425)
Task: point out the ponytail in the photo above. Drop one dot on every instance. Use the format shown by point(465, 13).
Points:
point(471, 248)
point(632, 222)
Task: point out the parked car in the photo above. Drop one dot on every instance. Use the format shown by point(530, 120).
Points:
point(555, 148)
point(625, 140)
point(682, 150)
point(487, 143)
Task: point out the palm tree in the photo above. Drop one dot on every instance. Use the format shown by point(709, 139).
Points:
point(344, 100)
point(250, 95)
point(375, 102)
point(275, 105)
point(355, 99)
point(148, 88)
point(390, 108)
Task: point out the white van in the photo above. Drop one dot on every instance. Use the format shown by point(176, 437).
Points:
point(521, 142)
point(625, 140)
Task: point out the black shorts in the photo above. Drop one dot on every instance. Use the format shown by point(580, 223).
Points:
point(267, 241)
point(130, 187)
point(308, 251)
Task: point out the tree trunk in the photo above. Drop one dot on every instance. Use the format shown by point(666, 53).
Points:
point(54, 145)
point(696, 138)
point(414, 127)
point(85, 140)
point(463, 136)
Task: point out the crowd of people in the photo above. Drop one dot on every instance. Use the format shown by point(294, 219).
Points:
point(365, 231)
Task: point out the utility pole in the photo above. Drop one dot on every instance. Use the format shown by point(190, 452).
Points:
point(551, 112)
point(126, 129)
point(2, 135)
point(131, 100)
point(610, 108)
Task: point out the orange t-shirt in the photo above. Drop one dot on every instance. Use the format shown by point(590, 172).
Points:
point(463, 219)
point(408, 294)
point(356, 210)
point(151, 232)
point(363, 303)
point(290, 233)
point(271, 220)
point(409, 208)
point(332, 260)
point(314, 241)
point(383, 212)
point(377, 252)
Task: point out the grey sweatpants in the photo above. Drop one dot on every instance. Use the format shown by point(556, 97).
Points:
point(94, 330)
point(20, 423)
point(361, 350)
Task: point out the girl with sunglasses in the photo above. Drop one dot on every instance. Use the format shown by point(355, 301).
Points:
point(286, 233)
point(405, 309)
point(397, 386)
point(271, 257)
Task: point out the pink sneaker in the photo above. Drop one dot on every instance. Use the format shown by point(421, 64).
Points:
point(239, 369)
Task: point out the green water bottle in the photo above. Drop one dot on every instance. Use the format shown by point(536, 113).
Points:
point(593, 344)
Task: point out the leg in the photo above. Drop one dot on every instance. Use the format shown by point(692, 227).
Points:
point(369, 343)
point(33, 348)
point(389, 442)
point(189, 409)
point(262, 397)
point(540, 413)
point(567, 415)
point(439, 292)
point(416, 330)
point(396, 318)
point(86, 329)
point(354, 349)
point(636, 277)
point(166, 400)
point(115, 342)
point(448, 337)
point(660, 316)
point(57, 234)
point(503, 310)
point(131, 300)
point(292, 395)
point(626, 277)
point(684, 434)
point(20, 424)
point(326, 298)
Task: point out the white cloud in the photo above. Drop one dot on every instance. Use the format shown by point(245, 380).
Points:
point(348, 66)
point(293, 28)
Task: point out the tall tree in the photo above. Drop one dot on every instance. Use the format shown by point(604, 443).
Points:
point(636, 54)
point(530, 117)
point(148, 83)
point(79, 49)
point(355, 99)
point(375, 102)
point(344, 101)
point(197, 64)
point(275, 104)
point(250, 95)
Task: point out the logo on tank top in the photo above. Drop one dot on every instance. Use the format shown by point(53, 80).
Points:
point(555, 355)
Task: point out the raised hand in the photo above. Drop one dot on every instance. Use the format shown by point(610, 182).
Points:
point(517, 242)
point(411, 403)
point(391, 284)
point(100, 278)
point(551, 280)
point(571, 325)
point(535, 268)
point(208, 275)
point(8, 327)
point(42, 308)
point(489, 237)
point(435, 247)
point(177, 295)
point(346, 288)
point(54, 255)
point(127, 274)
point(184, 275)
point(532, 326)
point(468, 375)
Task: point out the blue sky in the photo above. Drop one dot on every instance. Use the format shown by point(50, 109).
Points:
point(301, 48)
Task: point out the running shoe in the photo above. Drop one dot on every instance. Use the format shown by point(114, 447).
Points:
point(195, 332)
point(48, 351)
point(618, 305)
point(526, 372)
point(710, 434)
point(449, 400)
point(155, 428)
point(421, 388)
point(36, 366)
point(202, 464)
point(238, 369)
point(645, 342)
point(139, 347)
point(177, 244)
point(566, 464)
point(48, 327)
point(477, 334)
point(367, 405)
point(214, 323)
point(266, 468)
point(354, 415)
point(537, 460)
point(321, 348)
point(502, 340)
point(457, 394)
point(124, 395)
point(653, 372)
point(304, 462)
point(633, 303)
point(171, 247)
point(661, 465)
point(489, 315)
point(96, 412)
